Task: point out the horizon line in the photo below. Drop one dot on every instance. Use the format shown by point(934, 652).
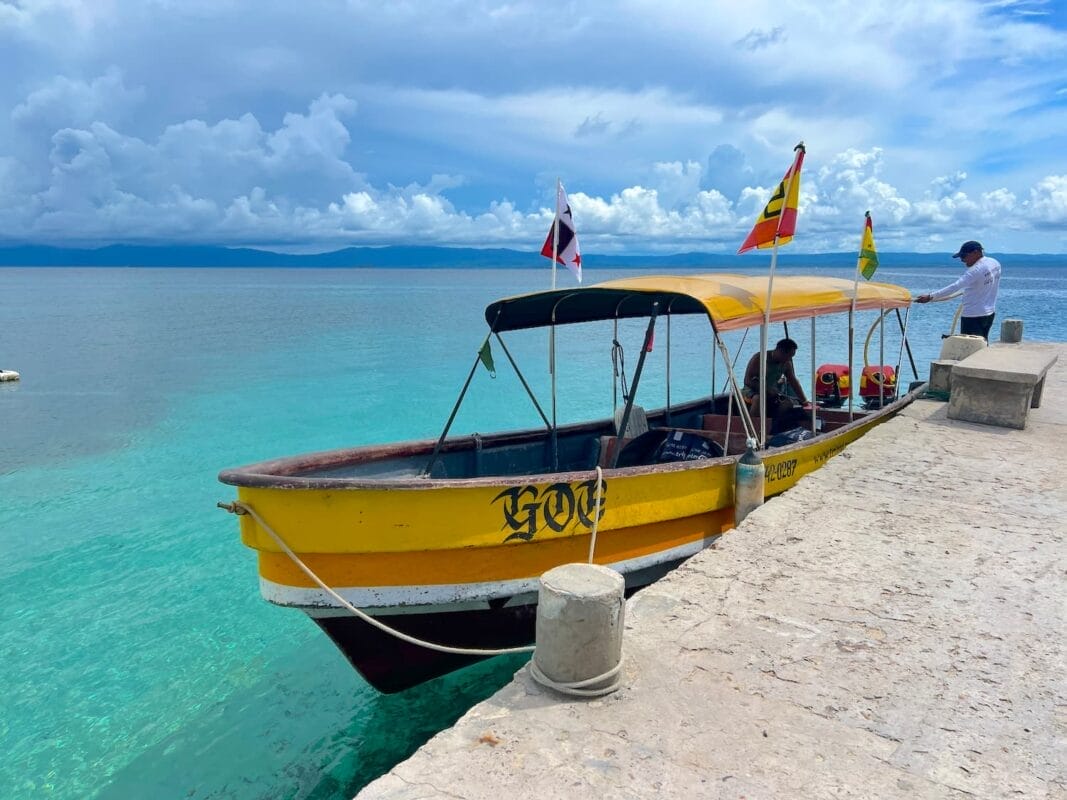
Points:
point(261, 249)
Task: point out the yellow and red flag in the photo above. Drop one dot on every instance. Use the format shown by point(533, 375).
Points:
point(868, 260)
point(778, 222)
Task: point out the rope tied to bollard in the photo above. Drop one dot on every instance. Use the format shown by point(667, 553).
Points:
point(578, 688)
point(580, 625)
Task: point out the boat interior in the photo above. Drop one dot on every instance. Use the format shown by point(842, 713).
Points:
point(704, 428)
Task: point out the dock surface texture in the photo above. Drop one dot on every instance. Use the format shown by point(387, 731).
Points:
point(892, 627)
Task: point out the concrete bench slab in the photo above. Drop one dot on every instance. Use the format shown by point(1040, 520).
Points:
point(941, 375)
point(999, 385)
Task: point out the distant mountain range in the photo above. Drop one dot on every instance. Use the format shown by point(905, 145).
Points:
point(427, 257)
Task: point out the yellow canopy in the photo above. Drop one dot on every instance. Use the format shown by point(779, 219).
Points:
point(730, 301)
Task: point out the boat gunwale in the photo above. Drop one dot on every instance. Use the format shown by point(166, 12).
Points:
point(279, 473)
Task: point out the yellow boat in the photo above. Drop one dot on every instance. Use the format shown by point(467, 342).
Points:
point(444, 540)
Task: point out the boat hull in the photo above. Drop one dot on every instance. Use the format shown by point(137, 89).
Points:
point(457, 562)
point(448, 538)
point(390, 664)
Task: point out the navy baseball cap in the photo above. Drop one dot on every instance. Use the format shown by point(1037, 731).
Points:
point(968, 247)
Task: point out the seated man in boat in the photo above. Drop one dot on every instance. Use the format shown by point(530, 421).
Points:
point(779, 367)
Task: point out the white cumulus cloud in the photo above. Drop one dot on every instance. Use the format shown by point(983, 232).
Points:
point(321, 124)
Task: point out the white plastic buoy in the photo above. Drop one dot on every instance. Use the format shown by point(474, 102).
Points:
point(959, 346)
point(580, 611)
point(1011, 331)
point(748, 483)
point(8, 375)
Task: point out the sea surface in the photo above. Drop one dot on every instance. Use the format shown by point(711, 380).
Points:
point(138, 659)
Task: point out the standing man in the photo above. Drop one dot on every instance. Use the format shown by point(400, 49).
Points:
point(979, 285)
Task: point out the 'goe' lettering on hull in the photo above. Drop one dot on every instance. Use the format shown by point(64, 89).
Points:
point(527, 510)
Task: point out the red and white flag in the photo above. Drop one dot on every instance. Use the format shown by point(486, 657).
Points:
point(562, 241)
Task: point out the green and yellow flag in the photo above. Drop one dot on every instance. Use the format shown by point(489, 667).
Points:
point(868, 260)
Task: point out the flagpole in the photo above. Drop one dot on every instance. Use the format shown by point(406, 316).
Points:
point(859, 261)
point(852, 311)
point(777, 206)
point(767, 309)
point(555, 233)
point(555, 257)
point(763, 346)
point(552, 329)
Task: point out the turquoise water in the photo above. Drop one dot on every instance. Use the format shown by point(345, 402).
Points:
point(138, 658)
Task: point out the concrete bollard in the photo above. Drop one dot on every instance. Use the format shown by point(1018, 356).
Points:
point(959, 346)
point(1011, 331)
point(748, 483)
point(580, 609)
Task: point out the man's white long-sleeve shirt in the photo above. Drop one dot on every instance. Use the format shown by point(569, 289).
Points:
point(979, 285)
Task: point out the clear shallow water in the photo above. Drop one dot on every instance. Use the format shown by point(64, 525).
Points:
point(138, 658)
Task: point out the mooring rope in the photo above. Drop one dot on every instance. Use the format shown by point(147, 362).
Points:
point(571, 688)
point(578, 688)
point(596, 513)
point(238, 507)
point(933, 394)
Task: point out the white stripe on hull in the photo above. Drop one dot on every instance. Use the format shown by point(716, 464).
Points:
point(446, 596)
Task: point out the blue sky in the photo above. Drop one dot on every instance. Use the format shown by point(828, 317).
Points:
point(314, 125)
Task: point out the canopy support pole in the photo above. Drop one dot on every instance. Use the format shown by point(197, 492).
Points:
point(714, 360)
point(668, 413)
point(903, 323)
point(735, 395)
point(455, 408)
point(851, 375)
point(525, 385)
point(633, 386)
point(617, 368)
point(814, 379)
point(731, 366)
point(881, 357)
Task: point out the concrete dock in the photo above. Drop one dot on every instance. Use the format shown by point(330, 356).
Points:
point(893, 627)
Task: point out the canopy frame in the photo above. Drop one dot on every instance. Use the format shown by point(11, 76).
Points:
point(730, 302)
